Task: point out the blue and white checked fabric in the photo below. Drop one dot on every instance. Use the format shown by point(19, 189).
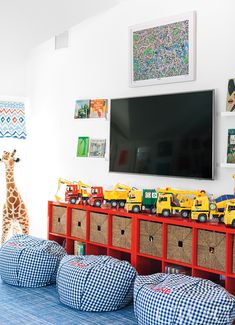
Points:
point(181, 300)
point(95, 283)
point(28, 261)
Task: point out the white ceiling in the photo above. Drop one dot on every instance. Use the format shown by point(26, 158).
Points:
point(26, 23)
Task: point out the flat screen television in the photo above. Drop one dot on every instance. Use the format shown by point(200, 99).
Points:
point(168, 135)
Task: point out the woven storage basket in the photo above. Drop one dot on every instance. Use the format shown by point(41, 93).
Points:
point(78, 226)
point(211, 250)
point(150, 238)
point(99, 228)
point(121, 232)
point(59, 220)
point(179, 243)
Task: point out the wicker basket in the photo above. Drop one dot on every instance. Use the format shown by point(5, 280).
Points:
point(99, 228)
point(211, 250)
point(179, 243)
point(59, 220)
point(121, 232)
point(150, 238)
point(78, 226)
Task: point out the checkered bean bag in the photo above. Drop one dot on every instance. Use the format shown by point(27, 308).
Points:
point(181, 300)
point(95, 283)
point(28, 261)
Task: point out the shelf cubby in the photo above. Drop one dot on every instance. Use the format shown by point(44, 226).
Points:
point(58, 238)
point(69, 246)
point(120, 254)
point(93, 249)
point(230, 285)
point(187, 270)
point(147, 265)
point(215, 277)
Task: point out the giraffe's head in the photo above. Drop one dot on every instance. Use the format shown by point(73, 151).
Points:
point(9, 158)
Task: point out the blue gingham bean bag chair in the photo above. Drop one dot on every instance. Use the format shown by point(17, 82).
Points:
point(181, 300)
point(28, 261)
point(95, 283)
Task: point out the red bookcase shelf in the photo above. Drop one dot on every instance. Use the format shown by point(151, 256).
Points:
point(148, 242)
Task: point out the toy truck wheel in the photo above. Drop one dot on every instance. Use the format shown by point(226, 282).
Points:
point(202, 217)
point(113, 204)
point(153, 210)
point(73, 200)
point(121, 204)
point(85, 201)
point(185, 214)
point(97, 203)
point(221, 219)
point(166, 213)
point(136, 209)
point(233, 224)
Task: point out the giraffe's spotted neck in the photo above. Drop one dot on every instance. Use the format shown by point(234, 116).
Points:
point(10, 174)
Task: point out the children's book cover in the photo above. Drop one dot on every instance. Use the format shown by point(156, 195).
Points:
point(231, 146)
point(98, 108)
point(82, 146)
point(82, 109)
point(97, 148)
point(230, 106)
point(79, 248)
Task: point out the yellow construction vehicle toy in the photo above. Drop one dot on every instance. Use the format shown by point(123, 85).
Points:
point(134, 201)
point(174, 201)
point(142, 201)
point(77, 193)
point(74, 191)
point(60, 182)
point(118, 196)
point(229, 214)
point(201, 208)
point(204, 209)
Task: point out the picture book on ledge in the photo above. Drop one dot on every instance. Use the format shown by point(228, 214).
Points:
point(97, 148)
point(231, 147)
point(81, 109)
point(90, 108)
point(82, 146)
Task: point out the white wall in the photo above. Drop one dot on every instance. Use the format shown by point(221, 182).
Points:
point(96, 66)
point(13, 86)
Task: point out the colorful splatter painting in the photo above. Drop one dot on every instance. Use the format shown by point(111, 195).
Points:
point(163, 52)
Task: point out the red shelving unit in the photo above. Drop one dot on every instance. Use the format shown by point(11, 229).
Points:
point(148, 242)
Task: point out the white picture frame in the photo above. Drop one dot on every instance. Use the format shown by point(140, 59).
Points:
point(166, 60)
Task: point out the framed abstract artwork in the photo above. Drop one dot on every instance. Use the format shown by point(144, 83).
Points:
point(163, 51)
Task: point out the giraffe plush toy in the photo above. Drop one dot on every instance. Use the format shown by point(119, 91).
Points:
point(14, 210)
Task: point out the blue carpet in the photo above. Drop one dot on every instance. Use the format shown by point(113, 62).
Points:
point(24, 306)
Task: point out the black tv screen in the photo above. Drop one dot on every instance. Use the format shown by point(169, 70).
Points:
point(170, 135)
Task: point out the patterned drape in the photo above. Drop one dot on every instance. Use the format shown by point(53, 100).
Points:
point(12, 119)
